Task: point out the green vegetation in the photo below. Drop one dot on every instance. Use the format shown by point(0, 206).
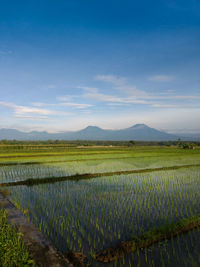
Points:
point(155, 235)
point(12, 249)
point(77, 177)
point(23, 166)
point(90, 215)
point(16, 144)
point(89, 199)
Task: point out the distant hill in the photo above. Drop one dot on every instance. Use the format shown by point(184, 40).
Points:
point(138, 132)
point(192, 137)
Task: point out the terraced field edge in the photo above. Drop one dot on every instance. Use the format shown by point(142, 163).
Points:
point(28, 246)
point(149, 238)
point(50, 180)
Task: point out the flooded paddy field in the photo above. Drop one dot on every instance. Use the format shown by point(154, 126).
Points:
point(94, 214)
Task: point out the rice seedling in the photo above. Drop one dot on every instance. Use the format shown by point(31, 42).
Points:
point(90, 215)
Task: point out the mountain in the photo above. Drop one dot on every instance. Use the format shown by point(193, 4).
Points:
point(144, 133)
point(192, 137)
point(11, 134)
point(93, 133)
point(138, 132)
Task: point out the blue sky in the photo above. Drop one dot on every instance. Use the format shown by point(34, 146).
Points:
point(67, 64)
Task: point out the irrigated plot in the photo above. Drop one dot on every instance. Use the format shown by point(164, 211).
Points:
point(95, 214)
point(67, 167)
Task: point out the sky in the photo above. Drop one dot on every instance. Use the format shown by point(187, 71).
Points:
point(67, 64)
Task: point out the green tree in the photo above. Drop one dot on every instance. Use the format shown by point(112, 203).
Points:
point(131, 143)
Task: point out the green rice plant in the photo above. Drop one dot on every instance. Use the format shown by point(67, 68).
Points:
point(89, 215)
point(12, 249)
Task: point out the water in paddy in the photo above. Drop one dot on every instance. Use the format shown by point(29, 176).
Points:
point(90, 215)
point(181, 251)
point(23, 172)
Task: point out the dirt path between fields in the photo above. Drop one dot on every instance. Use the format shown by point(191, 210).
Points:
point(42, 251)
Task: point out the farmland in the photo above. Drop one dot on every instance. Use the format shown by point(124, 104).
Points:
point(92, 199)
point(12, 249)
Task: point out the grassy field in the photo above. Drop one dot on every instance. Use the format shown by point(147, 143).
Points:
point(12, 249)
point(100, 212)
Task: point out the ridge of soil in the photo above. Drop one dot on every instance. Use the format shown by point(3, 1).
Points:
point(42, 251)
point(147, 239)
point(51, 180)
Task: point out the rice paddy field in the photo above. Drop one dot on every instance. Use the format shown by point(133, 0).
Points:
point(107, 196)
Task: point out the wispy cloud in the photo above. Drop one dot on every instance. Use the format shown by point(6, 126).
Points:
point(65, 100)
point(184, 97)
point(133, 93)
point(174, 97)
point(93, 93)
point(164, 106)
point(32, 117)
point(65, 97)
point(161, 78)
point(20, 110)
point(63, 104)
point(41, 104)
point(155, 101)
point(121, 84)
point(111, 79)
point(75, 105)
point(189, 106)
point(32, 112)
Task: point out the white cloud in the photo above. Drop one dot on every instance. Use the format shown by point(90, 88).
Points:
point(95, 95)
point(64, 104)
point(132, 91)
point(65, 97)
point(20, 110)
point(164, 106)
point(174, 97)
point(115, 104)
point(39, 104)
point(32, 112)
point(101, 97)
point(151, 100)
point(120, 84)
point(161, 78)
point(184, 97)
point(75, 105)
point(111, 79)
point(31, 117)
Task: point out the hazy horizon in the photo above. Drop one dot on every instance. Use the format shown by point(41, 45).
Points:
point(112, 129)
point(112, 64)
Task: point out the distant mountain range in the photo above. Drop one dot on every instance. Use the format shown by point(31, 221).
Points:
point(138, 132)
